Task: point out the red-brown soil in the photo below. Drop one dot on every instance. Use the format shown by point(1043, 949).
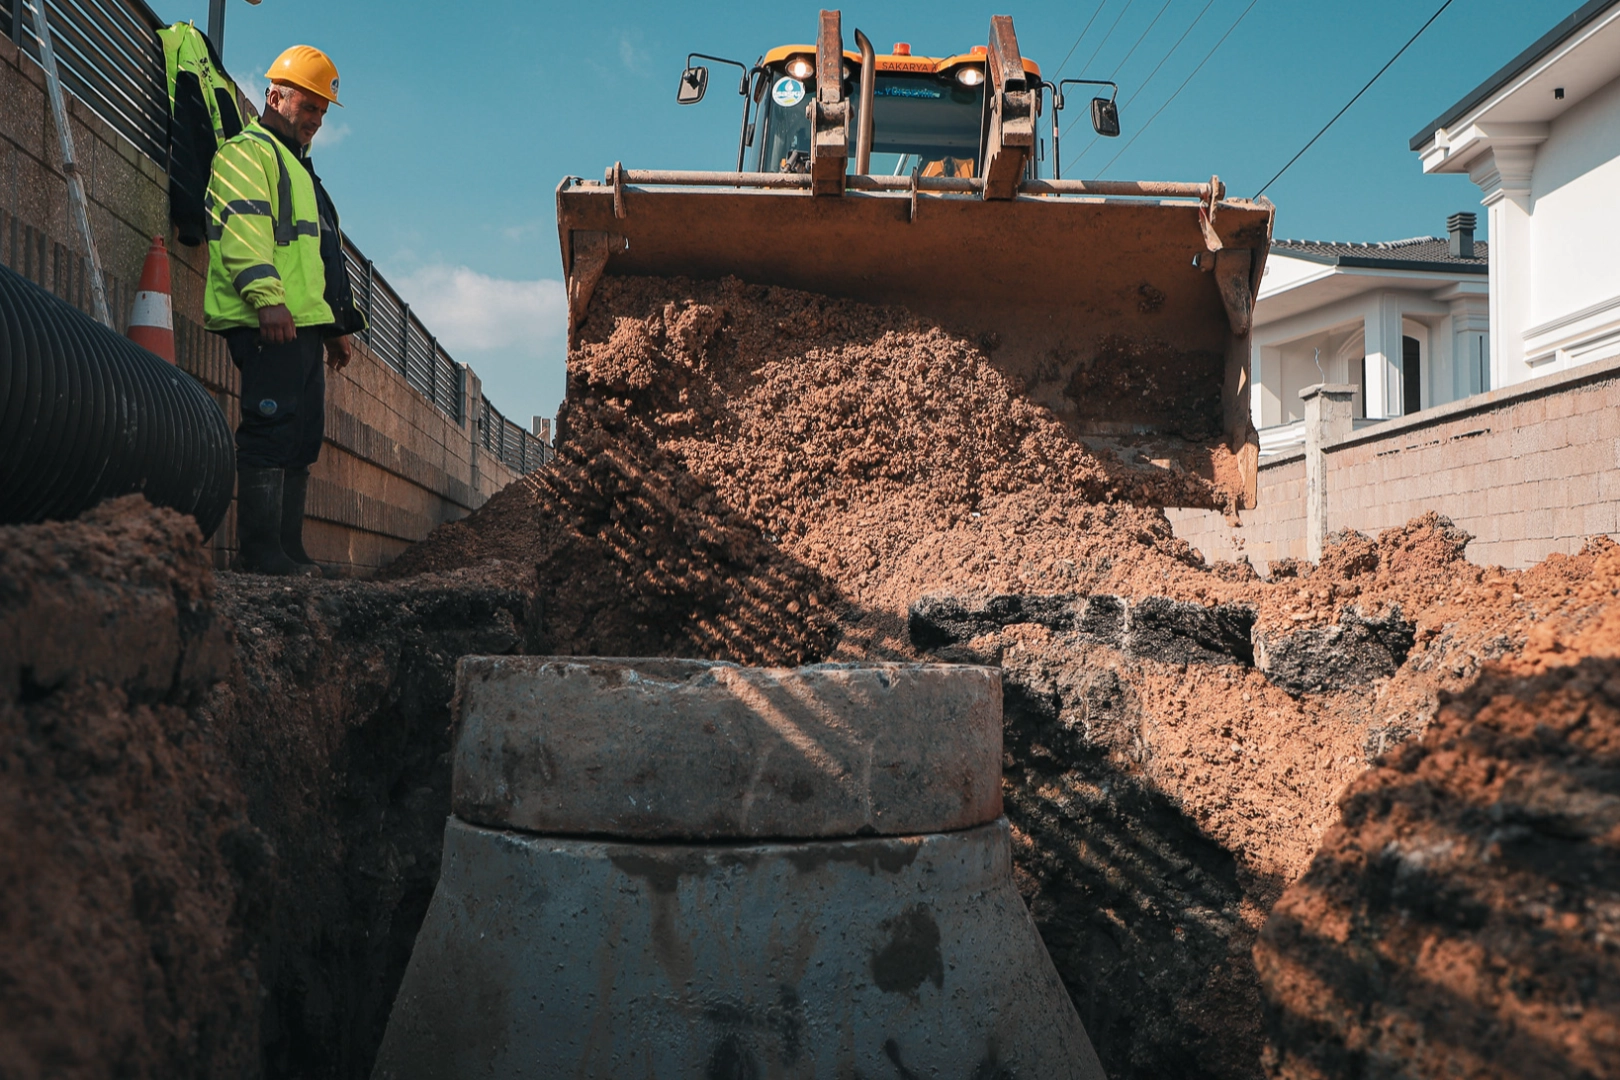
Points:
point(1463, 917)
point(739, 459)
point(221, 800)
point(124, 850)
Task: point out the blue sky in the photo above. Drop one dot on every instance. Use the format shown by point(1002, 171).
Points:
point(459, 120)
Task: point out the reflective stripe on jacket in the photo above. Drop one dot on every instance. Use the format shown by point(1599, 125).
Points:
point(264, 236)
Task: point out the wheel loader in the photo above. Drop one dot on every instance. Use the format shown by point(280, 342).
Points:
point(1123, 307)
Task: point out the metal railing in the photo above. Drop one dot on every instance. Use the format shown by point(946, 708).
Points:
point(111, 60)
point(109, 57)
point(398, 338)
point(518, 448)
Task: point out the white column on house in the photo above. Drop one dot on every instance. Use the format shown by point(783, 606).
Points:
point(1382, 393)
point(1503, 174)
point(1470, 324)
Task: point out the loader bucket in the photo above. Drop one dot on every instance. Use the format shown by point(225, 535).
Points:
point(1123, 308)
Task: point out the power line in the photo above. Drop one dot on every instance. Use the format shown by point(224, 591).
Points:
point(1143, 85)
point(1104, 41)
point(1120, 66)
point(1353, 100)
point(1182, 87)
point(1086, 29)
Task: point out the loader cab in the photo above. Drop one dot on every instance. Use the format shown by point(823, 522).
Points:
point(928, 112)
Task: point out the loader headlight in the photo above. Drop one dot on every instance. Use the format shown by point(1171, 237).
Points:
point(970, 76)
point(800, 67)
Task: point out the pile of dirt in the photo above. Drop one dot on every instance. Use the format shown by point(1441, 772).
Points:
point(127, 849)
point(737, 460)
point(222, 800)
point(1463, 918)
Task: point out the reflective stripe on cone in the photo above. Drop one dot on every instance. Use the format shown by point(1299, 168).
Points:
point(151, 319)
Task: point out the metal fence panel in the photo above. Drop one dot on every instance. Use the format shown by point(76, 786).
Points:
point(519, 449)
point(108, 54)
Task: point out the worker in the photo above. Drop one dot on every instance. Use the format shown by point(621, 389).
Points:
point(279, 293)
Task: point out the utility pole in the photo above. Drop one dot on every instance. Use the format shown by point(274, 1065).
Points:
point(216, 26)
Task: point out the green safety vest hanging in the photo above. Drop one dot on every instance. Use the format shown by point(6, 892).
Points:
point(203, 114)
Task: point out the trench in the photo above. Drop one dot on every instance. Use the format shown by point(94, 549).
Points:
point(308, 727)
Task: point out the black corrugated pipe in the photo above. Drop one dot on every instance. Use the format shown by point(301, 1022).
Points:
point(86, 415)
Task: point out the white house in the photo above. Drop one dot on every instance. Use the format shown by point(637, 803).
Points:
point(1406, 322)
point(1541, 138)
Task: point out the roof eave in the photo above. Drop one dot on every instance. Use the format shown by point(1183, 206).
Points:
point(1373, 262)
point(1363, 262)
point(1566, 28)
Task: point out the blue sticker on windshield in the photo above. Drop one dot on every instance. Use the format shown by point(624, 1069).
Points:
point(787, 91)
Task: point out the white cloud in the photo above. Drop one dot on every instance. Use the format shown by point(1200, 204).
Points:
point(525, 230)
point(253, 87)
point(630, 53)
point(512, 333)
point(469, 311)
point(330, 136)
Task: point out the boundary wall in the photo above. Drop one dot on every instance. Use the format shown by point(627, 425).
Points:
point(1529, 469)
point(410, 440)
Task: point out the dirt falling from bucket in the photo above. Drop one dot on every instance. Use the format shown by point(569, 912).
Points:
point(736, 460)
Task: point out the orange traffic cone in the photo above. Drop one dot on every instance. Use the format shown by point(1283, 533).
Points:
point(151, 321)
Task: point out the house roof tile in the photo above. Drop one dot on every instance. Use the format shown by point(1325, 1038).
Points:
point(1417, 253)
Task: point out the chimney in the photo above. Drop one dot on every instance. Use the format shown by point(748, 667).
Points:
point(1461, 228)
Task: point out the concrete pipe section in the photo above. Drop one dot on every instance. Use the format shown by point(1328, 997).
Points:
point(671, 868)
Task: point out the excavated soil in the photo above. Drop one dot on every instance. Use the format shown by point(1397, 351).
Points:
point(221, 800)
point(1463, 917)
point(1231, 799)
point(739, 460)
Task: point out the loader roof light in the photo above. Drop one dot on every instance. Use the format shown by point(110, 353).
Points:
point(800, 67)
point(968, 75)
point(981, 50)
point(901, 49)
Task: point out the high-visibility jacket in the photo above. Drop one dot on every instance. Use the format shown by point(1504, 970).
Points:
point(264, 235)
point(204, 113)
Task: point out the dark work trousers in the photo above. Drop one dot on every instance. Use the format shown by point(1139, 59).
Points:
point(283, 399)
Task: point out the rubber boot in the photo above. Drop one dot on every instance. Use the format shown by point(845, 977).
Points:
point(294, 489)
point(258, 524)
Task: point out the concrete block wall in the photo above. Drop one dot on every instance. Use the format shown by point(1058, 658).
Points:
point(1531, 469)
point(1274, 529)
point(394, 465)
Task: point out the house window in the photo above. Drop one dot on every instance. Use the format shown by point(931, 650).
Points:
point(1411, 376)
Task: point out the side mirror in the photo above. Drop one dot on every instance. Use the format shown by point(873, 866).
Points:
point(694, 82)
point(1105, 117)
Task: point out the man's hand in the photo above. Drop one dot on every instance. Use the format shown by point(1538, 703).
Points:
point(338, 351)
point(276, 324)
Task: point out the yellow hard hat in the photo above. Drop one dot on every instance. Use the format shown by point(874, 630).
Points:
point(307, 68)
